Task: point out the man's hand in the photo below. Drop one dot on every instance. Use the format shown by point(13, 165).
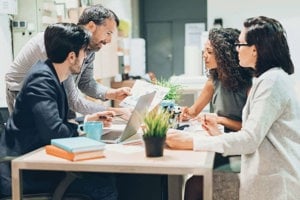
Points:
point(104, 116)
point(124, 113)
point(118, 94)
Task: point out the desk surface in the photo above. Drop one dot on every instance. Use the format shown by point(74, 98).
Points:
point(121, 159)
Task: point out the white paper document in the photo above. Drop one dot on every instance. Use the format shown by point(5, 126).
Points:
point(142, 87)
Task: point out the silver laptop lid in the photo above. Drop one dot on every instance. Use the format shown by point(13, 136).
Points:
point(137, 116)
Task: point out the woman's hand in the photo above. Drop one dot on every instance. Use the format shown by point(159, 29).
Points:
point(209, 122)
point(179, 140)
point(186, 114)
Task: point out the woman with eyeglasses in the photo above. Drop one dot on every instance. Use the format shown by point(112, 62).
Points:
point(269, 140)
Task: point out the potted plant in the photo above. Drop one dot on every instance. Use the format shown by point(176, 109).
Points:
point(174, 93)
point(171, 99)
point(156, 124)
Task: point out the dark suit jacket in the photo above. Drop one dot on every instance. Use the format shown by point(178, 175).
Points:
point(40, 112)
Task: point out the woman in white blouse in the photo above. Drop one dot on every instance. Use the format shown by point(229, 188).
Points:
point(269, 140)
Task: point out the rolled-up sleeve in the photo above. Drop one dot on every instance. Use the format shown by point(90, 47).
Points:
point(77, 102)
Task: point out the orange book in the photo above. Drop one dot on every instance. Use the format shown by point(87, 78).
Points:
point(56, 151)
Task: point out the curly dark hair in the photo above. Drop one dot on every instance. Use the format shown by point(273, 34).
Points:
point(229, 72)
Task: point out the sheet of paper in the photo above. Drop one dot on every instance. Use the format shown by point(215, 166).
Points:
point(9, 7)
point(142, 87)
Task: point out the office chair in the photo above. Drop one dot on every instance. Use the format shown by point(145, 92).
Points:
point(59, 193)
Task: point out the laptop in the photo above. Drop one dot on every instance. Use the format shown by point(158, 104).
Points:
point(129, 133)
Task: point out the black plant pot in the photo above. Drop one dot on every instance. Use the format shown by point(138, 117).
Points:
point(154, 146)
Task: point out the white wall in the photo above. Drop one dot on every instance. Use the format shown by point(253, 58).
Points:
point(5, 53)
point(234, 12)
point(121, 7)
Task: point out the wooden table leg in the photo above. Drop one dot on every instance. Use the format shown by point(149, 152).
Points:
point(208, 185)
point(16, 175)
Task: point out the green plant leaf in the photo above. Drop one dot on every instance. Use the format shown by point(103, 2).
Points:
point(156, 123)
point(174, 92)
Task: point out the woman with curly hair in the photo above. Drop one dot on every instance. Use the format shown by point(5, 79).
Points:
point(226, 89)
point(228, 83)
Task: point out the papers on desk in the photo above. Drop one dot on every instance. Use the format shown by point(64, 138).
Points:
point(196, 127)
point(141, 88)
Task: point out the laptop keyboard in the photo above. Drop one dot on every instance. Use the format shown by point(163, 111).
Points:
point(112, 135)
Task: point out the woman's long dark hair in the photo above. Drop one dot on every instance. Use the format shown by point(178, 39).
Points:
point(229, 72)
point(269, 38)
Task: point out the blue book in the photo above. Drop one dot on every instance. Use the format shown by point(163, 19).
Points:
point(78, 144)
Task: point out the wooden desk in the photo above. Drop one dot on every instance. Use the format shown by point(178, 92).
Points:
point(120, 159)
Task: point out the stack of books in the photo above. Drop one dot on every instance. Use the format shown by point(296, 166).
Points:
point(76, 148)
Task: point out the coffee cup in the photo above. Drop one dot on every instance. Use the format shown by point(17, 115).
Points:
point(92, 129)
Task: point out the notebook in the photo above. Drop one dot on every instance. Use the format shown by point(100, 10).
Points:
point(86, 155)
point(133, 124)
point(77, 144)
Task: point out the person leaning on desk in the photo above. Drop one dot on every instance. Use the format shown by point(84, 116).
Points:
point(101, 23)
point(40, 115)
point(226, 90)
point(269, 138)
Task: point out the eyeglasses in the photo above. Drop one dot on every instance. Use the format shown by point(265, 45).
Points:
point(238, 45)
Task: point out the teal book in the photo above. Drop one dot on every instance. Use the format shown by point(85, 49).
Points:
point(78, 144)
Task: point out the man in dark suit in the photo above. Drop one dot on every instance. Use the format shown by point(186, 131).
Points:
point(40, 115)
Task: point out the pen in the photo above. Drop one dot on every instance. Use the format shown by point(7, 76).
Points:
point(204, 118)
point(118, 115)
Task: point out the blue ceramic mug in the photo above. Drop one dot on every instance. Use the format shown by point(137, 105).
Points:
point(92, 129)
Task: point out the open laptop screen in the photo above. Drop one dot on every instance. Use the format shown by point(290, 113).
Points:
point(134, 122)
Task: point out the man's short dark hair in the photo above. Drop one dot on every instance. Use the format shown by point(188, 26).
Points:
point(63, 38)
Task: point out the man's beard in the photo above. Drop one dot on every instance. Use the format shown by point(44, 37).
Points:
point(76, 68)
point(94, 47)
